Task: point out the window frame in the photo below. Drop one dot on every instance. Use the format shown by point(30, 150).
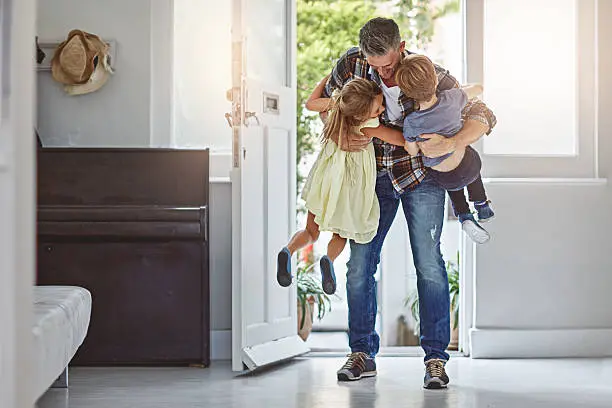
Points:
point(584, 163)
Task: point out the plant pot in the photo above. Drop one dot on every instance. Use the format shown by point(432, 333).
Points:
point(454, 342)
point(304, 332)
point(406, 336)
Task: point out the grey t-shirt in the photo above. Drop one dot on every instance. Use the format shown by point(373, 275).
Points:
point(444, 118)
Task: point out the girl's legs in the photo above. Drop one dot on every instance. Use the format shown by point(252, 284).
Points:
point(306, 236)
point(299, 240)
point(335, 247)
point(328, 277)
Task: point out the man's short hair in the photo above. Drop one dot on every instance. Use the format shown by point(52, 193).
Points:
point(379, 36)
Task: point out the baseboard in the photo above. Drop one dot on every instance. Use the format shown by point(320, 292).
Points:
point(495, 343)
point(221, 345)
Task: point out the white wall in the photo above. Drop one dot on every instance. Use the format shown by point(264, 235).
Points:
point(221, 256)
point(173, 66)
point(221, 269)
point(17, 201)
point(201, 77)
point(134, 108)
point(547, 273)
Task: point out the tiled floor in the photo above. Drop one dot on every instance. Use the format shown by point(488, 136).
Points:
point(311, 383)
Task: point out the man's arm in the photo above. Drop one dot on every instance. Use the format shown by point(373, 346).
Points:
point(478, 120)
point(412, 148)
point(481, 117)
point(472, 90)
point(445, 80)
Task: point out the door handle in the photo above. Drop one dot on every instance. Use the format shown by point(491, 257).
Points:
point(230, 121)
point(249, 115)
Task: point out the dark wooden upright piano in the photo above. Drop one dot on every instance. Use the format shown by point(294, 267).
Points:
point(130, 225)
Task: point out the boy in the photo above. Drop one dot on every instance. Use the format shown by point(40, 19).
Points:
point(441, 113)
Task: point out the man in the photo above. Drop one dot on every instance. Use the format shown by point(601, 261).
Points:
point(401, 178)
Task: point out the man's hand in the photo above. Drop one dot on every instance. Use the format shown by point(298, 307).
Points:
point(411, 148)
point(437, 145)
point(351, 142)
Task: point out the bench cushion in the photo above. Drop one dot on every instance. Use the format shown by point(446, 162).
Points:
point(61, 319)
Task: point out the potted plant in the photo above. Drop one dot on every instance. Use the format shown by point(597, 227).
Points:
point(309, 292)
point(452, 270)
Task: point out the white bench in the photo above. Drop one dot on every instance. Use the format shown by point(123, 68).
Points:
point(61, 320)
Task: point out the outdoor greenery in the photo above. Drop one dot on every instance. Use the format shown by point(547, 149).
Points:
point(417, 18)
point(327, 28)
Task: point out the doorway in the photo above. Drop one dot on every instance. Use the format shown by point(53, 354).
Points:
point(396, 276)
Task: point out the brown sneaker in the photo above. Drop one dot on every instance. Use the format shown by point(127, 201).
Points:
point(435, 374)
point(358, 366)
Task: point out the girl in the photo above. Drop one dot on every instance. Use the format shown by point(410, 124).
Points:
point(340, 190)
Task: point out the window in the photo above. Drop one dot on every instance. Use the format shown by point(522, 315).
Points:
point(537, 62)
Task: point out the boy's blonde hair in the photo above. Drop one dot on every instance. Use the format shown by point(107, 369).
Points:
point(350, 107)
point(416, 77)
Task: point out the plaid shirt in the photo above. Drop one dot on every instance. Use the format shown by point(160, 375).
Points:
point(406, 172)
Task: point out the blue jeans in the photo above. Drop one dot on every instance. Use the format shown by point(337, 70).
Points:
point(424, 210)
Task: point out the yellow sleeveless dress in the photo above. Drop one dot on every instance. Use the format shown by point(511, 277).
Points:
point(340, 191)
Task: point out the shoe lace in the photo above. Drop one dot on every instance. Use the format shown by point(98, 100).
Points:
point(355, 360)
point(435, 368)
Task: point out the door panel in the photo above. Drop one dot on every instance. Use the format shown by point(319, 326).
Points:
point(263, 181)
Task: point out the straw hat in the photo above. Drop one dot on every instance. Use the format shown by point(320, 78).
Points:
point(82, 63)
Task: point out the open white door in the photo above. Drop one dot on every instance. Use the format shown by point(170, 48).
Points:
point(264, 315)
point(17, 200)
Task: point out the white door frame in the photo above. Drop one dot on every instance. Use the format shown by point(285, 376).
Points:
point(17, 201)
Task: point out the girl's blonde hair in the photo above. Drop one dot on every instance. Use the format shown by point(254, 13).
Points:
point(350, 107)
